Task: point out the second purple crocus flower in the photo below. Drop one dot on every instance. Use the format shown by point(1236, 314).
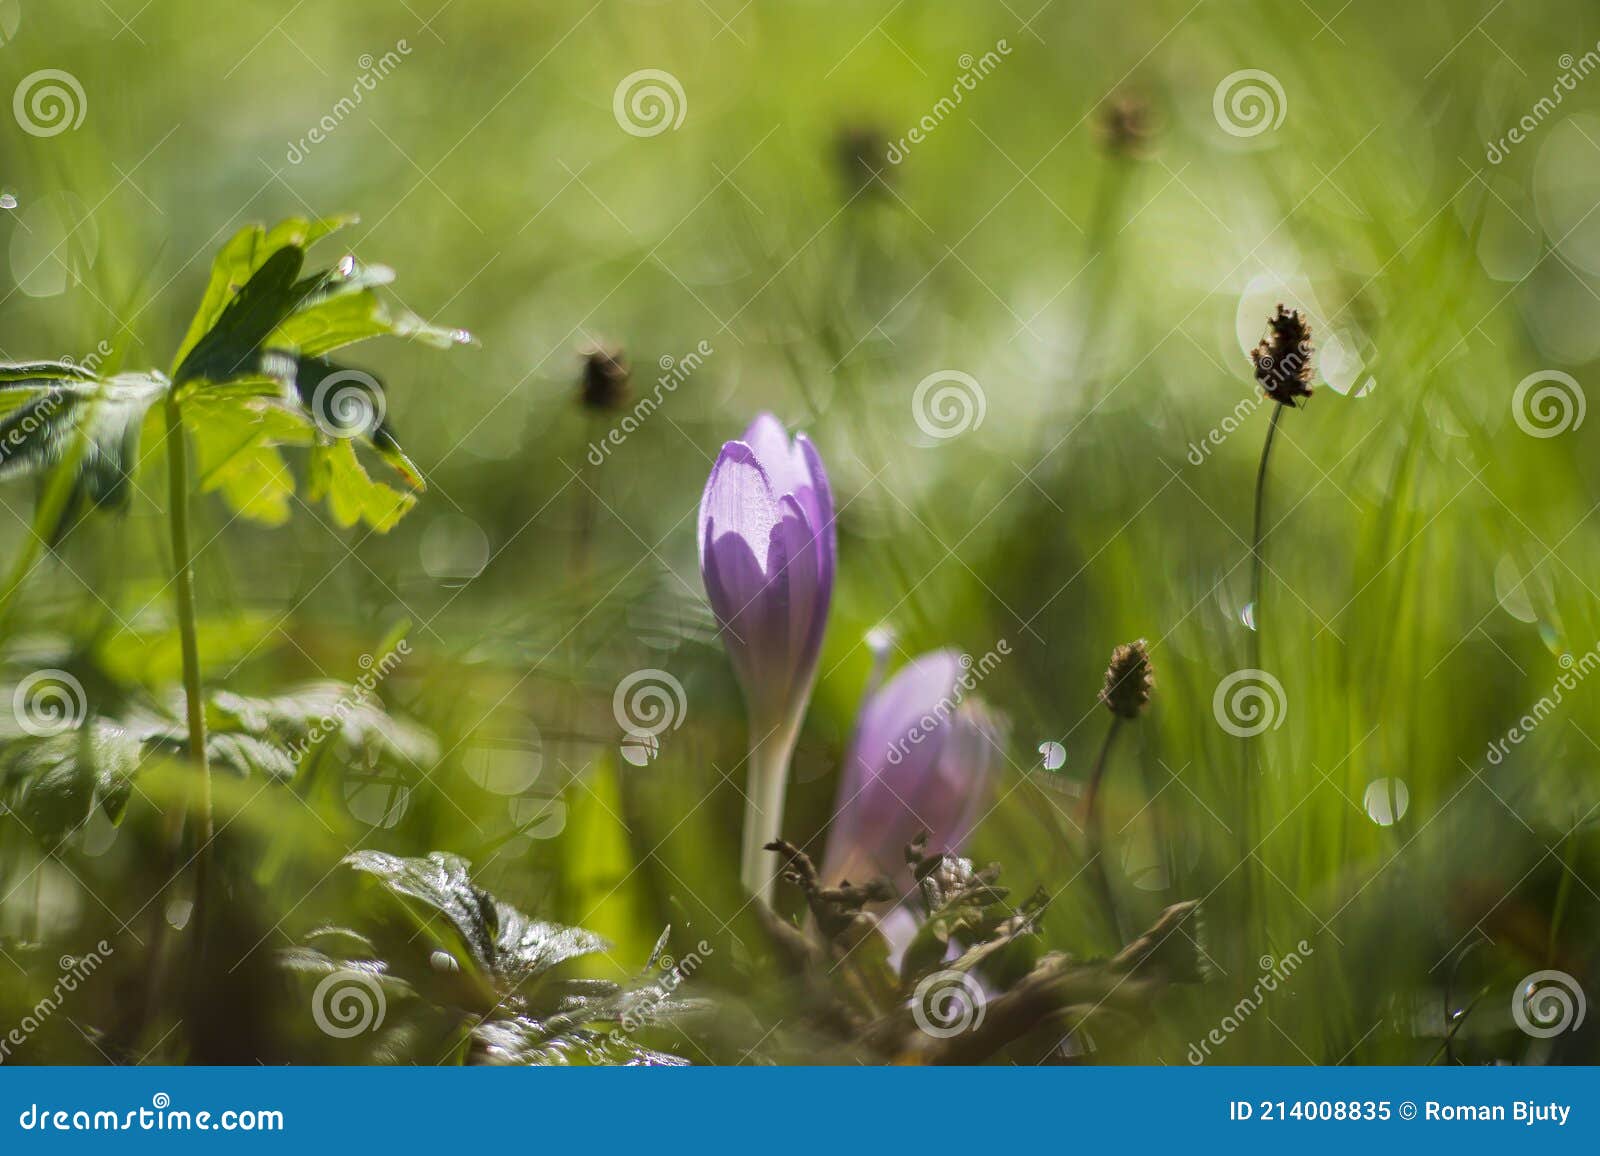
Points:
point(767, 555)
point(921, 760)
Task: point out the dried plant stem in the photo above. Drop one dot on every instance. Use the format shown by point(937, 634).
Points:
point(183, 580)
point(1093, 830)
point(1251, 787)
point(1256, 565)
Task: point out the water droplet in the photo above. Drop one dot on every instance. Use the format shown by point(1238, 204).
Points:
point(454, 547)
point(377, 799)
point(461, 337)
point(507, 768)
point(444, 961)
point(641, 749)
point(1387, 801)
point(1055, 755)
point(1248, 616)
point(7, 201)
point(537, 817)
point(880, 640)
point(178, 912)
point(1512, 590)
point(346, 266)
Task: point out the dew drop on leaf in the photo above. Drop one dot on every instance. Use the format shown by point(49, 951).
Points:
point(640, 749)
point(1386, 801)
point(1248, 616)
point(1054, 755)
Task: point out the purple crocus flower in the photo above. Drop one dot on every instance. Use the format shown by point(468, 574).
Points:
point(921, 760)
point(767, 554)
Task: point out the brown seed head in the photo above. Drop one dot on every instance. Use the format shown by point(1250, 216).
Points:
point(1283, 359)
point(1129, 680)
point(1125, 125)
point(604, 382)
point(861, 153)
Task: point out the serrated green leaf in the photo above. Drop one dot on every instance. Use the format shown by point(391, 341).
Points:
point(238, 261)
point(52, 412)
point(335, 474)
point(54, 782)
point(236, 442)
point(336, 711)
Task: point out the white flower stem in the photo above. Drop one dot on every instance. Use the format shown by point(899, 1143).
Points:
point(763, 806)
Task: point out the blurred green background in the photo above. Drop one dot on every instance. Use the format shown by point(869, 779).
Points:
point(1431, 564)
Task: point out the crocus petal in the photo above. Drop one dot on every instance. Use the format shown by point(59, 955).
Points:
point(784, 462)
point(738, 496)
point(920, 760)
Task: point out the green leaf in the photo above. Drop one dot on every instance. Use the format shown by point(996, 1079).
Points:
point(236, 442)
point(239, 260)
point(54, 783)
point(326, 712)
point(54, 412)
point(335, 474)
point(511, 947)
